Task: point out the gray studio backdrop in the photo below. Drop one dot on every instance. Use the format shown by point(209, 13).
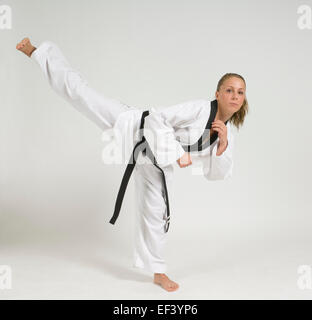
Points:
point(54, 186)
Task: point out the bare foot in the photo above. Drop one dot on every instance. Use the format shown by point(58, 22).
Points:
point(26, 47)
point(165, 282)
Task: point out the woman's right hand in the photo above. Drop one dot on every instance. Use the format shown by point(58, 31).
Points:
point(185, 160)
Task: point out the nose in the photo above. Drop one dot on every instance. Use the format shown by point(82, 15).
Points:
point(235, 96)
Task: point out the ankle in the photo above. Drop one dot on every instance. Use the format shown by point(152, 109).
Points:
point(32, 50)
point(160, 275)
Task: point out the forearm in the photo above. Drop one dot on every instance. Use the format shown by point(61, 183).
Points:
point(219, 165)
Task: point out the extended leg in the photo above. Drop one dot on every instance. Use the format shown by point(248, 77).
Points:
point(72, 86)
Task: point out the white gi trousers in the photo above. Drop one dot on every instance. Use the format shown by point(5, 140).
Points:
point(150, 236)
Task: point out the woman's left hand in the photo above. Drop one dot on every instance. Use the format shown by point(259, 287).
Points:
point(221, 128)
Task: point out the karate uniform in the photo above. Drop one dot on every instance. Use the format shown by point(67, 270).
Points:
point(165, 130)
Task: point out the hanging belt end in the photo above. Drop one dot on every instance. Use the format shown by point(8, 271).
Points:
point(112, 221)
point(167, 224)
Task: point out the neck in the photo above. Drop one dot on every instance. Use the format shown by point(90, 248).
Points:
point(223, 115)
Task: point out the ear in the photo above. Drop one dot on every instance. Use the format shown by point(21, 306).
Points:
point(217, 94)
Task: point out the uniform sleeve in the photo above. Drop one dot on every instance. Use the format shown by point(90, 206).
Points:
point(220, 167)
point(160, 127)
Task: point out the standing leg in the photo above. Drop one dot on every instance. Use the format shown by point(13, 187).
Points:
point(71, 85)
point(150, 236)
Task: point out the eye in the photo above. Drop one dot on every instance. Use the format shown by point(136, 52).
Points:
point(228, 90)
point(241, 92)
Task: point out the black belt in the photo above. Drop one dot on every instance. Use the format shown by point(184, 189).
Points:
point(141, 146)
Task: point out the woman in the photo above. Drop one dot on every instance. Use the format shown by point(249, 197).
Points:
point(170, 128)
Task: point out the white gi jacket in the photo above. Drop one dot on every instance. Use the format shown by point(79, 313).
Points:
point(184, 124)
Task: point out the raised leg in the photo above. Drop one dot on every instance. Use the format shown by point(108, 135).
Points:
point(71, 85)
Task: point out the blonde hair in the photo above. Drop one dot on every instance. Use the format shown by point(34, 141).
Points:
point(239, 116)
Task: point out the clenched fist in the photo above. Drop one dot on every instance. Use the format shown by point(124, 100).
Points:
point(221, 128)
point(185, 160)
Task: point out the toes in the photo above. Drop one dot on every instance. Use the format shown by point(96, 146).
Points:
point(168, 285)
point(172, 287)
point(22, 44)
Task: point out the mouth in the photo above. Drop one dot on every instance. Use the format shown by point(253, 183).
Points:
point(235, 104)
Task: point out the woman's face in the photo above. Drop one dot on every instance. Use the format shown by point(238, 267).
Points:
point(231, 94)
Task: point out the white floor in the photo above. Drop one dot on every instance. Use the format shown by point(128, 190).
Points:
point(245, 268)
